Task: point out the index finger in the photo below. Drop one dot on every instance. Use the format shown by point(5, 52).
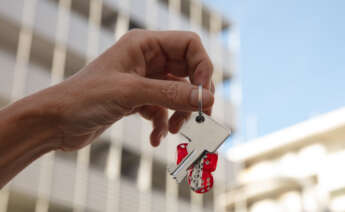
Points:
point(187, 47)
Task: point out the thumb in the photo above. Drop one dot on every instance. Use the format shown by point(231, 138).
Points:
point(171, 94)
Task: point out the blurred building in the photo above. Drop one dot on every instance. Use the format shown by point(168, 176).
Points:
point(296, 169)
point(44, 41)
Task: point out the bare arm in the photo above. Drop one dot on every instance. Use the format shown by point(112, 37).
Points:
point(27, 131)
point(144, 72)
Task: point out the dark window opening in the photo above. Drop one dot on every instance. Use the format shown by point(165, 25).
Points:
point(98, 154)
point(134, 25)
point(109, 16)
point(21, 202)
point(208, 199)
point(130, 164)
point(70, 156)
point(206, 20)
point(185, 8)
point(184, 191)
point(159, 172)
point(59, 208)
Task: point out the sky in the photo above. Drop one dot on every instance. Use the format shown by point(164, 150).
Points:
point(290, 63)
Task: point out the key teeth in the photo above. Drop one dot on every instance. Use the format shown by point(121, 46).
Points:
point(171, 168)
point(180, 176)
point(179, 180)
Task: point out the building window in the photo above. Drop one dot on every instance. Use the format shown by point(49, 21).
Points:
point(130, 164)
point(184, 191)
point(159, 173)
point(99, 154)
point(21, 202)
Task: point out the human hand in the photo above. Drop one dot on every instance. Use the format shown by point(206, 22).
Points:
point(144, 72)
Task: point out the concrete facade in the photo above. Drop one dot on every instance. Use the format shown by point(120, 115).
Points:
point(44, 41)
point(295, 169)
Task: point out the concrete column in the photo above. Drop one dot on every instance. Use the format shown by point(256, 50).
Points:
point(83, 156)
point(20, 71)
point(171, 184)
point(151, 14)
point(174, 9)
point(122, 22)
point(113, 169)
point(196, 15)
point(216, 49)
point(57, 75)
point(144, 180)
point(24, 48)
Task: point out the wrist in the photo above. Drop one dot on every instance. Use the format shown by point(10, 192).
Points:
point(27, 131)
point(33, 121)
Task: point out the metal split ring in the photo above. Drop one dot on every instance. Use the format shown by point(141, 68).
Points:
point(200, 118)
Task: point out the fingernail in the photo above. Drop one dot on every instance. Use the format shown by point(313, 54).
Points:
point(207, 98)
point(165, 133)
point(162, 135)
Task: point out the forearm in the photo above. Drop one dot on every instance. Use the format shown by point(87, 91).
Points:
point(27, 131)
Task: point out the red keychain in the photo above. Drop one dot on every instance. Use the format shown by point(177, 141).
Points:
point(205, 136)
point(199, 176)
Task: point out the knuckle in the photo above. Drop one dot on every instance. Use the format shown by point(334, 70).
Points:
point(134, 32)
point(195, 36)
point(127, 88)
point(130, 36)
point(207, 68)
point(210, 66)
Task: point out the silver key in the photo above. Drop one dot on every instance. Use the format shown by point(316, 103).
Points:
point(205, 136)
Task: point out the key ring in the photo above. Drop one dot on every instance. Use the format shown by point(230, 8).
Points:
point(200, 118)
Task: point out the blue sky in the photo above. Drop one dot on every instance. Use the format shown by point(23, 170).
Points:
point(291, 60)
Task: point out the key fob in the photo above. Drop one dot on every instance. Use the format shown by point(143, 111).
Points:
point(199, 176)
